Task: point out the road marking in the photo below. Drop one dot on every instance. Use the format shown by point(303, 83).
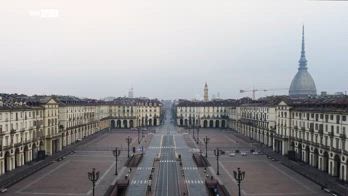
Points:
point(43, 176)
point(42, 193)
point(102, 177)
point(119, 175)
point(297, 181)
point(190, 168)
point(232, 140)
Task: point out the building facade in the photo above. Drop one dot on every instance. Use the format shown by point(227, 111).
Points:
point(206, 114)
point(315, 131)
point(309, 130)
point(136, 112)
point(38, 126)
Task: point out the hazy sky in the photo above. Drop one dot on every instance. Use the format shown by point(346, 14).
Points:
point(169, 48)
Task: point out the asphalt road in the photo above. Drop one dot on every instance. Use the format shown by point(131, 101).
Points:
point(140, 180)
point(167, 143)
point(167, 181)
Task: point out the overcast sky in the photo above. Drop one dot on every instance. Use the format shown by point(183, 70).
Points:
point(169, 48)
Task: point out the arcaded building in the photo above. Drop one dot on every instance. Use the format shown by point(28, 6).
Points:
point(32, 127)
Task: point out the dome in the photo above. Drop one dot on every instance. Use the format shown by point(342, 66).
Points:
point(302, 84)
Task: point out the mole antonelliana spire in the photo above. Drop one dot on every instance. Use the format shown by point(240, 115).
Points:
point(303, 83)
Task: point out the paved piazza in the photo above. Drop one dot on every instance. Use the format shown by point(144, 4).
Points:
point(263, 176)
point(69, 176)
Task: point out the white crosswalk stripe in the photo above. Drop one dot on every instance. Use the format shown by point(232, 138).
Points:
point(144, 168)
point(139, 182)
point(190, 168)
point(167, 161)
point(194, 181)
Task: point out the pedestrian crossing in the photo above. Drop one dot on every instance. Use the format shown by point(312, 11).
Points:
point(161, 147)
point(139, 181)
point(186, 181)
point(144, 168)
point(190, 168)
point(167, 161)
point(194, 181)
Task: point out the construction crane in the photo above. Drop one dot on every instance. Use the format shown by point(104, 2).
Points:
point(264, 90)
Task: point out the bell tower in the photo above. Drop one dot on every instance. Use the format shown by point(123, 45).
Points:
point(206, 96)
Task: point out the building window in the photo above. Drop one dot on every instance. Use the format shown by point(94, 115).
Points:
point(325, 140)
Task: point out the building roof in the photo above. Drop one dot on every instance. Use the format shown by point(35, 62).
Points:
point(320, 104)
point(212, 103)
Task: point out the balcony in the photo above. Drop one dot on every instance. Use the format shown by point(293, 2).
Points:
point(321, 132)
point(343, 136)
point(336, 150)
point(331, 134)
point(311, 129)
point(16, 145)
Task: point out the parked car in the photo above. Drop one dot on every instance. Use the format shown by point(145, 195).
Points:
point(243, 153)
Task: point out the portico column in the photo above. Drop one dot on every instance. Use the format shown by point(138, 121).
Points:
point(311, 159)
point(320, 162)
point(343, 172)
point(21, 159)
point(13, 164)
point(331, 167)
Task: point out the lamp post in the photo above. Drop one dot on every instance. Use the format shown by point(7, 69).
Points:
point(206, 140)
point(217, 154)
point(93, 177)
point(129, 140)
point(239, 177)
point(197, 135)
point(116, 153)
point(138, 136)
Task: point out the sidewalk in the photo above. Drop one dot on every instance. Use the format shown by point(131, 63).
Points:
point(321, 178)
point(24, 171)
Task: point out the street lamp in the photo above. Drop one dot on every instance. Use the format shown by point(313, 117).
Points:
point(116, 153)
point(197, 134)
point(217, 154)
point(206, 140)
point(239, 177)
point(129, 140)
point(93, 177)
point(138, 136)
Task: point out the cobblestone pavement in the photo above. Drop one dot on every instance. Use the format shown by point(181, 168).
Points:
point(69, 176)
point(263, 176)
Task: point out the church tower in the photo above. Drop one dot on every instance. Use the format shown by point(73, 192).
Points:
point(206, 96)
